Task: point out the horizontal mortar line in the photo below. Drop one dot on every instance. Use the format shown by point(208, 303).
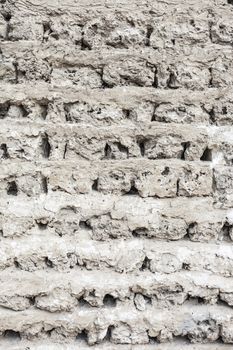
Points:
point(23, 91)
point(56, 5)
point(32, 129)
point(10, 319)
point(103, 56)
point(57, 200)
point(66, 244)
point(127, 164)
point(69, 345)
point(106, 280)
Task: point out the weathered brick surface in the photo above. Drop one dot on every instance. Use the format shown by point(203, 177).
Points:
point(116, 182)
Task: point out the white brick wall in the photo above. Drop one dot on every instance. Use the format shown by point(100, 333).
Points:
point(116, 181)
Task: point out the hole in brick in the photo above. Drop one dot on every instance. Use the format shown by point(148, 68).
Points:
point(4, 107)
point(48, 262)
point(109, 300)
point(148, 34)
point(212, 116)
point(135, 233)
point(82, 302)
point(95, 185)
point(42, 225)
point(7, 16)
point(171, 83)
point(191, 229)
point(145, 264)
point(49, 32)
point(224, 110)
point(16, 264)
point(5, 154)
point(84, 44)
point(192, 22)
point(141, 145)
point(23, 111)
point(133, 190)
point(173, 41)
point(185, 146)
point(9, 333)
point(230, 2)
point(45, 145)
point(108, 335)
point(44, 184)
point(107, 151)
point(166, 171)
point(84, 225)
point(207, 155)
point(225, 232)
point(142, 231)
point(44, 111)
point(186, 266)
point(12, 189)
point(152, 340)
point(126, 113)
point(32, 300)
point(83, 336)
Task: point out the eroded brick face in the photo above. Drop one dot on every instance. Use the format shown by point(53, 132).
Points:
point(116, 181)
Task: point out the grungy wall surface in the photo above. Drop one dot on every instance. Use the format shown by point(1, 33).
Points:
point(116, 181)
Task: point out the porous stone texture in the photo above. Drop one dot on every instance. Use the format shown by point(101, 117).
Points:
point(116, 181)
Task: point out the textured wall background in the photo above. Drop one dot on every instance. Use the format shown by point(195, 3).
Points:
point(116, 176)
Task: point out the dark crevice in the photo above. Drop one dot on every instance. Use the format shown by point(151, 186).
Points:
point(145, 264)
point(45, 145)
point(84, 224)
point(5, 154)
point(141, 145)
point(211, 77)
point(95, 185)
point(186, 266)
point(4, 108)
point(230, 2)
point(171, 83)
point(48, 32)
point(83, 336)
point(108, 335)
point(155, 82)
point(65, 151)
point(44, 111)
point(84, 44)
point(177, 187)
point(16, 66)
point(191, 229)
point(11, 334)
point(16, 264)
point(12, 189)
point(185, 146)
point(109, 300)
point(42, 225)
point(107, 151)
point(207, 155)
point(149, 31)
point(133, 190)
point(48, 262)
point(44, 184)
point(225, 233)
point(166, 171)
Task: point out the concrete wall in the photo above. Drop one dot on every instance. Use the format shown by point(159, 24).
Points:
point(116, 181)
